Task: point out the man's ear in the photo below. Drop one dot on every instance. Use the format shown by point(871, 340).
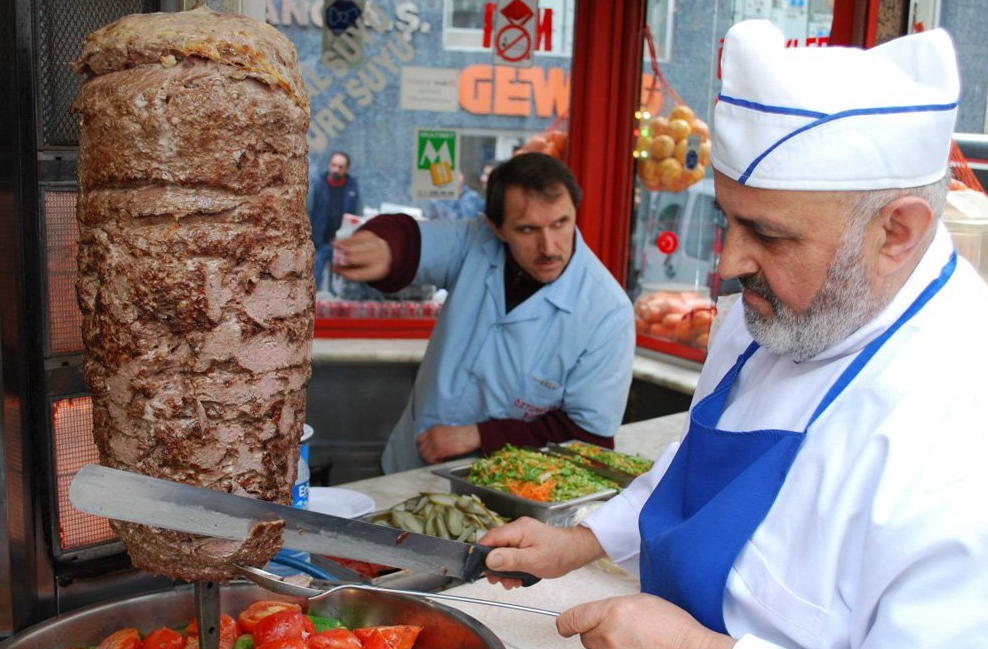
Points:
point(905, 226)
point(496, 230)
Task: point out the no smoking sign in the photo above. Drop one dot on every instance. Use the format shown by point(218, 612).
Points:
point(515, 25)
point(513, 44)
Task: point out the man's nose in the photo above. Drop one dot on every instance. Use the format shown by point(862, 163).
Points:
point(736, 259)
point(546, 242)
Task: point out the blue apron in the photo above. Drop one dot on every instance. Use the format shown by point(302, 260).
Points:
point(721, 485)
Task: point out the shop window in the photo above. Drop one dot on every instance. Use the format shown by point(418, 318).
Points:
point(660, 21)
point(676, 230)
point(804, 22)
point(391, 79)
point(463, 26)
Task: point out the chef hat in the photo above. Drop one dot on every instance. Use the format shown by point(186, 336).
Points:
point(834, 118)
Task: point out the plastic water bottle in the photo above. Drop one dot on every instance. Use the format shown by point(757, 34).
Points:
point(300, 492)
point(300, 500)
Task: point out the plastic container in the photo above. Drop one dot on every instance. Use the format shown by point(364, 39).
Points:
point(349, 225)
point(300, 500)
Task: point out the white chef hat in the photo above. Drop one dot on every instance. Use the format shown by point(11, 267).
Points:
point(834, 118)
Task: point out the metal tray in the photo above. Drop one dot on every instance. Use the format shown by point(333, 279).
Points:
point(567, 512)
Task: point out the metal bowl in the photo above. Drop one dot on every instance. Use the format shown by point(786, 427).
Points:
point(442, 626)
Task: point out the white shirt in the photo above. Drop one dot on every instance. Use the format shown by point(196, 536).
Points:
point(879, 536)
point(569, 346)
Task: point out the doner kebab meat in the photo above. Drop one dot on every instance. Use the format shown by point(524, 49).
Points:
point(195, 266)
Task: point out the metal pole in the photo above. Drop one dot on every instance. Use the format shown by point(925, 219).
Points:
point(208, 614)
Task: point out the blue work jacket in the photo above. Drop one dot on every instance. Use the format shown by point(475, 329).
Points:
point(569, 346)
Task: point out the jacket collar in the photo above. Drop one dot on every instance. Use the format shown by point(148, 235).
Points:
point(561, 292)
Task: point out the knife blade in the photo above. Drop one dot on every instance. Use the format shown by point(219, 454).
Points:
point(137, 498)
point(594, 466)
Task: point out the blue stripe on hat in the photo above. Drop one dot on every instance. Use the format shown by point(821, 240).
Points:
point(764, 108)
point(822, 118)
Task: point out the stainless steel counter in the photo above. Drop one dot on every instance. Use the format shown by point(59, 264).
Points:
point(516, 629)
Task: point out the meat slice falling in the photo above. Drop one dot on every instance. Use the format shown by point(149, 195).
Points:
point(195, 265)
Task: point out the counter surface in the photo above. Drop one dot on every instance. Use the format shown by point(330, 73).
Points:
point(520, 630)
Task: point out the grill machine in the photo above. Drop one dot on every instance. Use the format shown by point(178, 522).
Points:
point(53, 559)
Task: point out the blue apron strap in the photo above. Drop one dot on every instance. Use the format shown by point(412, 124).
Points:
point(862, 358)
point(718, 397)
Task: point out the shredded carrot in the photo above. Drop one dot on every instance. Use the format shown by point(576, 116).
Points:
point(540, 492)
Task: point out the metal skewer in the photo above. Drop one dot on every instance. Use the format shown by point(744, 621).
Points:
point(208, 613)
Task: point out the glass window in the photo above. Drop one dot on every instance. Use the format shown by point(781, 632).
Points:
point(390, 87)
point(676, 230)
point(465, 28)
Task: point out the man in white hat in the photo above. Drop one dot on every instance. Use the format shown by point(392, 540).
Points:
point(828, 490)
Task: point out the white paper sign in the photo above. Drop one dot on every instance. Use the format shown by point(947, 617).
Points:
point(432, 89)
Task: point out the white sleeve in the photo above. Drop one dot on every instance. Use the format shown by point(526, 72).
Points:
point(616, 523)
point(749, 641)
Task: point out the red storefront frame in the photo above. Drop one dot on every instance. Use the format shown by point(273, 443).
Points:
point(607, 44)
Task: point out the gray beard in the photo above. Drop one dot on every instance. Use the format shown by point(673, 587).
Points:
point(841, 307)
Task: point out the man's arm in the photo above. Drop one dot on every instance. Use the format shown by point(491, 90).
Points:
point(443, 442)
point(555, 426)
point(384, 252)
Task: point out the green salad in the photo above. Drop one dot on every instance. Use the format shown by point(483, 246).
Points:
point(536, 476)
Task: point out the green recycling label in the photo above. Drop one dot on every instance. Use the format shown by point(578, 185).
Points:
point(436, 166)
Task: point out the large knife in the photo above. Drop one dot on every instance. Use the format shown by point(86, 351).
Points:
point(138, 498)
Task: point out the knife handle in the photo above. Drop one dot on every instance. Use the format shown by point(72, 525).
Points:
point(476, 567)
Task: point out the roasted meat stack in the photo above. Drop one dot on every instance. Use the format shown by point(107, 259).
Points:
point(195, 265)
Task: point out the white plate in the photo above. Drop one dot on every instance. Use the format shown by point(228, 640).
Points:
point(339, 502)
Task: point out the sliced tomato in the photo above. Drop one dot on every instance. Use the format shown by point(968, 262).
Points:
point(164, 638)
point(396, 637)
point(373, 639)
point(129, 638)
point(334, 639)
point(283, 643)
point(260, 610)
point(228, 631)
point(283, 624)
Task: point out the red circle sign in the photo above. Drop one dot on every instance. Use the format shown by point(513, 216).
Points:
point(667, 243)
point(513, 43)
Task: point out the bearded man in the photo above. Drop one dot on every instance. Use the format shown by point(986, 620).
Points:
point(828, 490)
point(333, 196)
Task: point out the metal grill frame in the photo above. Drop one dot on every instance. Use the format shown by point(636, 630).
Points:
point(61, 27)
point(38, 578)
point(61, 477)
point(52, 346)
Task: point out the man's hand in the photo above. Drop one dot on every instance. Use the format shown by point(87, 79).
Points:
point(638, 622)
point(527, 545)
point(362, 257)
point(443, 442)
